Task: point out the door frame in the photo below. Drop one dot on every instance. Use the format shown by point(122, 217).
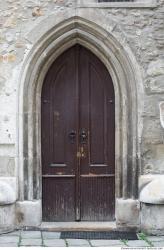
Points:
point(126, 76)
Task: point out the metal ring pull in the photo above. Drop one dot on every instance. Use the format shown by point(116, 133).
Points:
point(83, 136)
point(72, 136)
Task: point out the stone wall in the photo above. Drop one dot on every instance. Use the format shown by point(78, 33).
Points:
point(141, 29)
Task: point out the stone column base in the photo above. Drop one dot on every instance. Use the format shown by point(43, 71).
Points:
point(7, 218)
point(152, 219)
point(128, 214)
point(29, 213)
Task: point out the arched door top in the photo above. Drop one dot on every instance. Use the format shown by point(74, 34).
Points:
point(78, 139)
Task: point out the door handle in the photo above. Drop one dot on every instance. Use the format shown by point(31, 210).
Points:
point(83, 136)
point(72, 136)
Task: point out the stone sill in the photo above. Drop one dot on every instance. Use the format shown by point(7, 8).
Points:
point(78, 226)
point(139, 4)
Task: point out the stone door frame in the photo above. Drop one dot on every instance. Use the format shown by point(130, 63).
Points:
point(53, 39)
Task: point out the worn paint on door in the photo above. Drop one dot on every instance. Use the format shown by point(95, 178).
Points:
point(78, 139)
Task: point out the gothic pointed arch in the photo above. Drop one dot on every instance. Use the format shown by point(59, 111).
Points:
point(121, 64)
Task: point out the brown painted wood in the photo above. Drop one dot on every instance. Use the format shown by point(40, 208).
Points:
point(78, 119)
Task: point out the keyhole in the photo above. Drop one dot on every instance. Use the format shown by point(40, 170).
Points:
point(111, 101)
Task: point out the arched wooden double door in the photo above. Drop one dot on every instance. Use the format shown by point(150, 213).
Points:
point(78, 139)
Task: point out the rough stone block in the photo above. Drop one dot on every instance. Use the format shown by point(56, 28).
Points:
point(156, 84)
point(28, 213)
point(127, 213)
point(153, 159)
point(152, 131)
point(151, 106)
point(156, 68)
point(152, 189)
point(7, 164)
point(145, 179)
point(152, 219)
point(8, 192)
point(7, 218)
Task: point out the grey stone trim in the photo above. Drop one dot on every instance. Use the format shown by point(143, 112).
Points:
point(151, 189)
point(152, 219)
point(8, 190)
point(51, 38)
point(7, 218)
point(127, 213)
point(161, 109)
point(29, 213)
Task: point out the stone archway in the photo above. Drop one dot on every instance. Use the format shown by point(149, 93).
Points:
point(127, 83)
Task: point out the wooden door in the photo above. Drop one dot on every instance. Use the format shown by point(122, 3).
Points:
point(78, 139)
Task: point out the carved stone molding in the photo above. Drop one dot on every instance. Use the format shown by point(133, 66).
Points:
point(152, 189)
point(50, 39)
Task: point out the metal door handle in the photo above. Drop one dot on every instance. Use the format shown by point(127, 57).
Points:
point(83, 136)
point(72, 136)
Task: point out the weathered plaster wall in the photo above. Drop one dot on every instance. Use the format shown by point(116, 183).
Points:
point(16, 19)
point(142, 29)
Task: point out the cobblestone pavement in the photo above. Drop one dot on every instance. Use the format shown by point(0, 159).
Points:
point(52, 239)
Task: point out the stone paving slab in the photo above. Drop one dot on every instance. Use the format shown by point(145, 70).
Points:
point(158, 244)
point(155, 238)
point(9, 239)
point(51, 235)
point(106, 243)
point(31, 234)
point(9, 245)
point(52, 239)
point(137, 243)
point(54, 243)
point(31, 242)
point(77, 243)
